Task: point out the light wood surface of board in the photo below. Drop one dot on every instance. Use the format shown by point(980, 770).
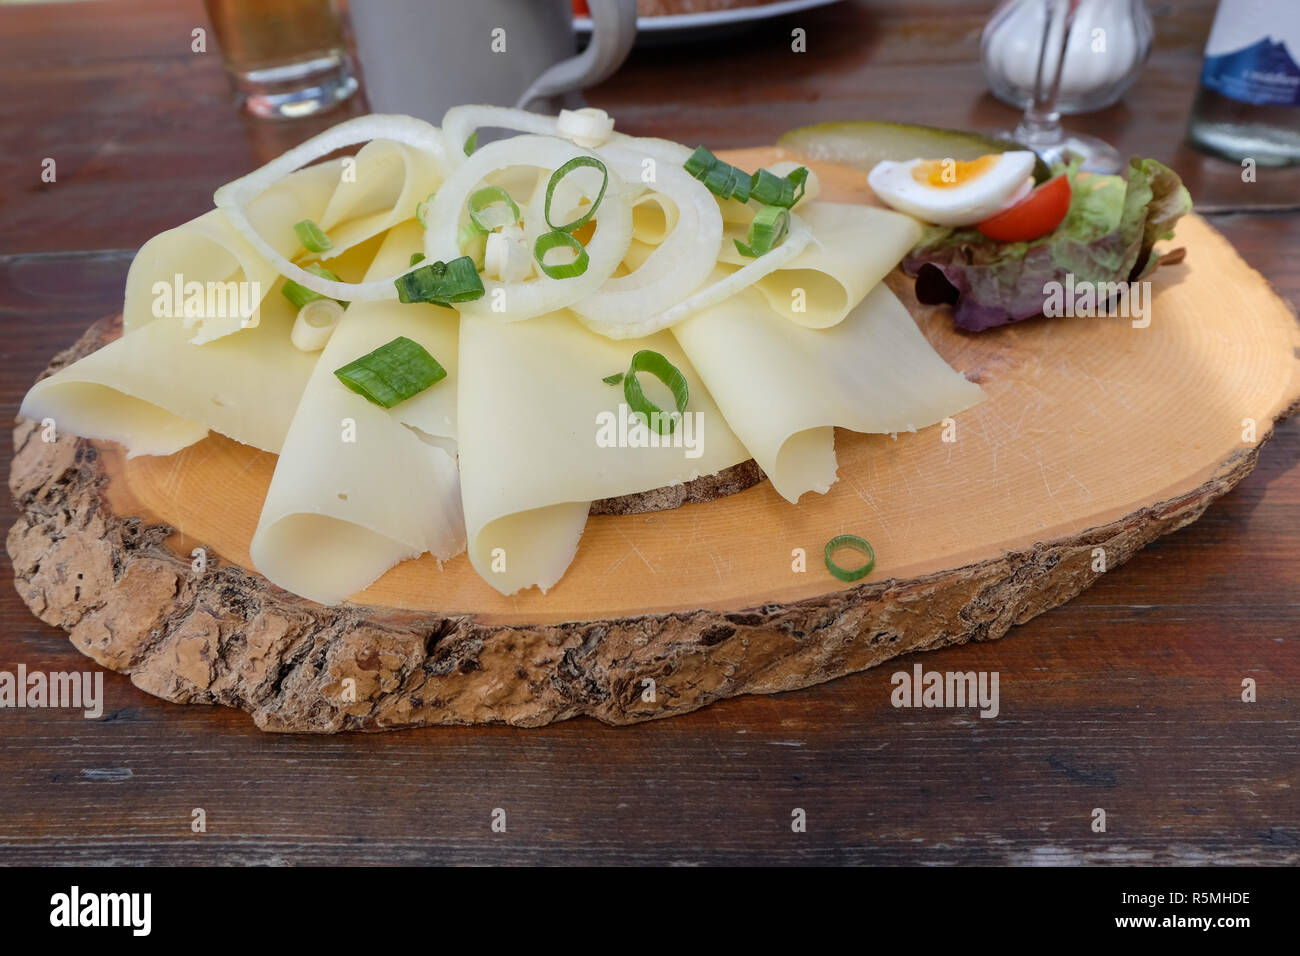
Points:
point(1086, 420)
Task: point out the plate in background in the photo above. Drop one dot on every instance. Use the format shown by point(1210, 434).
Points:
point(673, 28)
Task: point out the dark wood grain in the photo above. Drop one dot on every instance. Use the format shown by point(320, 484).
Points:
point(1126, 698)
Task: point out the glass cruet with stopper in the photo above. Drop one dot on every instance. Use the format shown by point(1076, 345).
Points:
point(1064, 56)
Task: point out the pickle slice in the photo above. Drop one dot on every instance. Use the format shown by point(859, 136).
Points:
point(865, 143)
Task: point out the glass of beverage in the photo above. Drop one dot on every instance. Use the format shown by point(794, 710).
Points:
point(286, 58)
point(1248, 103)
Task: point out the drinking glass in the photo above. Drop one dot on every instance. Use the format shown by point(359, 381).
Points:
point(285, 58)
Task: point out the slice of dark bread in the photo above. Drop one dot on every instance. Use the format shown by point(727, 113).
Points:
point(729, 481)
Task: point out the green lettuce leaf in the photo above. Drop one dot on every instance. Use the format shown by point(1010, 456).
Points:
point(1108, 235)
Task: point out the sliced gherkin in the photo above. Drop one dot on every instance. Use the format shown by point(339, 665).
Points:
point(864, 143)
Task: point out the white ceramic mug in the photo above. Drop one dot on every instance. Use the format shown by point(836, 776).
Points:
point(422, 57)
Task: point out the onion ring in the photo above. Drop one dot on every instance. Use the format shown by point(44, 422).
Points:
point(536, 296)
point(683, 261)
point(233, 198)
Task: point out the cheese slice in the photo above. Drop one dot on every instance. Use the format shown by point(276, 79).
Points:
point(542, 436)
point(783, 387)
point(155, 392)
point(853, 248)
point(358, 487)
point(378, 190)
point(208, 250)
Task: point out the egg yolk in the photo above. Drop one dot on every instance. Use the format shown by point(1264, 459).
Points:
point(947, 173)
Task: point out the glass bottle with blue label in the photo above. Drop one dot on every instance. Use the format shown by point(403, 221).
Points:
point(1248, 106)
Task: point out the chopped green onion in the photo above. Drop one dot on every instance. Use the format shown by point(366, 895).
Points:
point(312, 236)
point(441, 283)
point(730, 182)
point(699, 162)
point(772, 190)
point(300, 295)
point(650, 361)
point(722, 179)
point(613, 379)
point(416, 257)
point(857, 544)
point(576, 163)
point(770, 225)
point(471, 143)
point(392, 373)
point(485, 199)
point(800, 179)
point(468, 232)
point(314, 324)
point(422, 209)
point(472, 241)
point(554, 240)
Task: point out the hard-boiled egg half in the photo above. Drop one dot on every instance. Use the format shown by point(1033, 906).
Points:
point(951, 192)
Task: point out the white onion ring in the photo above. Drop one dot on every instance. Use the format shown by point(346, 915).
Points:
point(542, 294)
point(666, 206)
point(795, 242)
point(661, 150)
point(461, 122)
point(234, 197)
point(682, 262)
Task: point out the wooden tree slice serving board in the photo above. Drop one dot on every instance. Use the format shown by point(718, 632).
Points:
point(1095, 435)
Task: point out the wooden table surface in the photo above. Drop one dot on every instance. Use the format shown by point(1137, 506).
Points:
point(1127, 698)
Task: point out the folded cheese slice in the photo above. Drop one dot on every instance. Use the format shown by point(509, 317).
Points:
point(155, 392)
point(853, 248)
point(783, 387)
point(380, 189)
point(542, 436)
point(209, 251)
point(358, 487)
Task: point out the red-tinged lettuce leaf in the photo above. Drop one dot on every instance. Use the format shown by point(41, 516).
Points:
point(1108, 235)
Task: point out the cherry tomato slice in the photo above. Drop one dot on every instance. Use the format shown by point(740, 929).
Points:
point(1036, 215)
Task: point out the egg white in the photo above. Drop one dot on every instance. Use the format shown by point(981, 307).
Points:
point(1008, 181)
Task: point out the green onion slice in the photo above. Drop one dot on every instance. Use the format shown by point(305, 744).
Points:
point(392, 373)
point(613, 379)
point(441, 283)
point(554, 240)
point(722, 179)
point(773, 190)
point(472, 241)
point(312, 236)
point(730, 182)
point(653, 362)
point(769, 228)
point(422, 209)
point(576, 163)
point(857, 544)
point(416, 258)
point(300, 295)
point(487, 198)
point(471, 143)
point(800, 179)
